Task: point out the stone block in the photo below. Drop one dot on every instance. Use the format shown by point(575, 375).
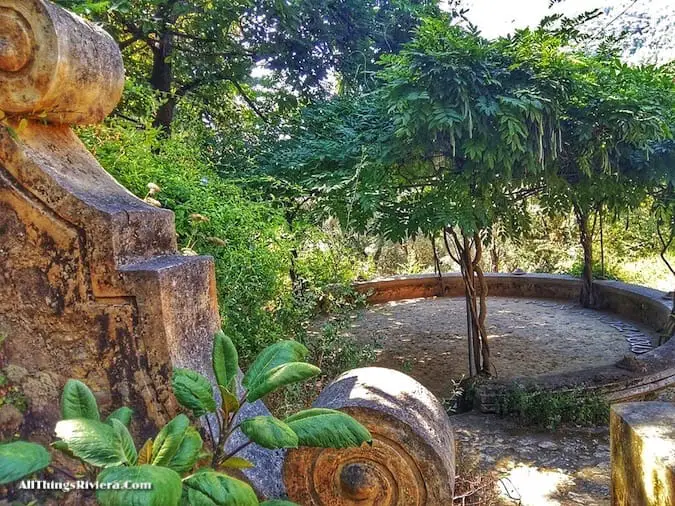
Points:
point(643, 454)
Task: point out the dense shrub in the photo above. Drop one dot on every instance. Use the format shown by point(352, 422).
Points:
point(213, 217)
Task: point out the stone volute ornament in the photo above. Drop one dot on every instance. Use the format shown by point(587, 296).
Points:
point(411, 461)
point(55, 66)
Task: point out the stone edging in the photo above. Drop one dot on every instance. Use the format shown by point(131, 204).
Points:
point(627, 379)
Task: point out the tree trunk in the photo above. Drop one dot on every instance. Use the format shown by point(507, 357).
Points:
point(482, 298)
point(475, 290)
point(587, 297)
point(297, 285)
point(494, 256)
point(162, 80)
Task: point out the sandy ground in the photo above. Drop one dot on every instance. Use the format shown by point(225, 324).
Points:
point(426, 338)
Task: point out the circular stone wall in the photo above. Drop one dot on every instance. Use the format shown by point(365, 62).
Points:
point(538, 334)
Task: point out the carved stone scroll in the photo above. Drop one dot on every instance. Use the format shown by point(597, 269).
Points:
point(411, 462)
point(91, 285)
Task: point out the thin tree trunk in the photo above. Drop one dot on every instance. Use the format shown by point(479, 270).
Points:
point(162, 80)
point(467, 299)
point(494, 257)
point(476, 298)
point(587, 297)
point(482, 297)
point(437, 261)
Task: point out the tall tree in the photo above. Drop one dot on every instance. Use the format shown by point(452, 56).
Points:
point(444, 145)
point(182, 47)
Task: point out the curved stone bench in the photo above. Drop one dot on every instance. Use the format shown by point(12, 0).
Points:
point(627, 379)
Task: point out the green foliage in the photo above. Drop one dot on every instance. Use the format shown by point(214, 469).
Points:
point(327, 428)
point(188, 452)
point(213, 217)
point(549, 409)
point(122, 414)
point(273, 356)
point(269, 432)
point(93, 442)
point(19, 459)
point(225, 360)
point(193, 391)
point(282, 375)
point(168, 441)
point(166, 486)
point(108, 449)
point(209, 488)
point(77, 401)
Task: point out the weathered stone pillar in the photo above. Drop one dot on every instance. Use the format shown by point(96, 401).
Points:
point(411, 462)
point(643, 454)
point(91, 286)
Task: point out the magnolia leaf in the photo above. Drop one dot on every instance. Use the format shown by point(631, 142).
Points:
point(125, 440)
point(271, 357)
point(225, 359)
point(19, 459)
point(237, 463)
point(122, 414)
point(211, 488)
point(145, 455)
point(77, 401)
point(168, 440)
point(269, 432)
point(193, 391)
point(327, 428)
point(230, 401)
point(165, 487)
point(92, 441)
point(280, 376)
point(188, 452)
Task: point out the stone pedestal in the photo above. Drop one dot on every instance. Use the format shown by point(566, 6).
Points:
point(91, 286)
point(643, 454)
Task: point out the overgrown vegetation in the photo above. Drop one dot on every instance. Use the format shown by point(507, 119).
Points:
point(180, 469)
point(550, 409)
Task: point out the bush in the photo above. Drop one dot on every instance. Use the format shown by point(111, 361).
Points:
point(214, 218)
point(549, 409)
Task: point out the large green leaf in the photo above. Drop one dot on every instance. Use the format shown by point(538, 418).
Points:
point(93, 441)
point(165, 488)
point(327, 428)
point(122, 414)
point(210, 488)
point(125, 440)
point(279, 376)
point(19, 459)
point(269, 432)
point(271, 357)
point(188, 452)
point(193, 391)
point(225, 359)
point(168, 440)
point(77, 401)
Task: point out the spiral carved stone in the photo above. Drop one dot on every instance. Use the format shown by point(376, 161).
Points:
point(411, 462)
point(56, 66)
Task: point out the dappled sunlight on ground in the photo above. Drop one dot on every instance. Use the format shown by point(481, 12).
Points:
point(533, 486)
point(535, 467)
point(426, 338)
